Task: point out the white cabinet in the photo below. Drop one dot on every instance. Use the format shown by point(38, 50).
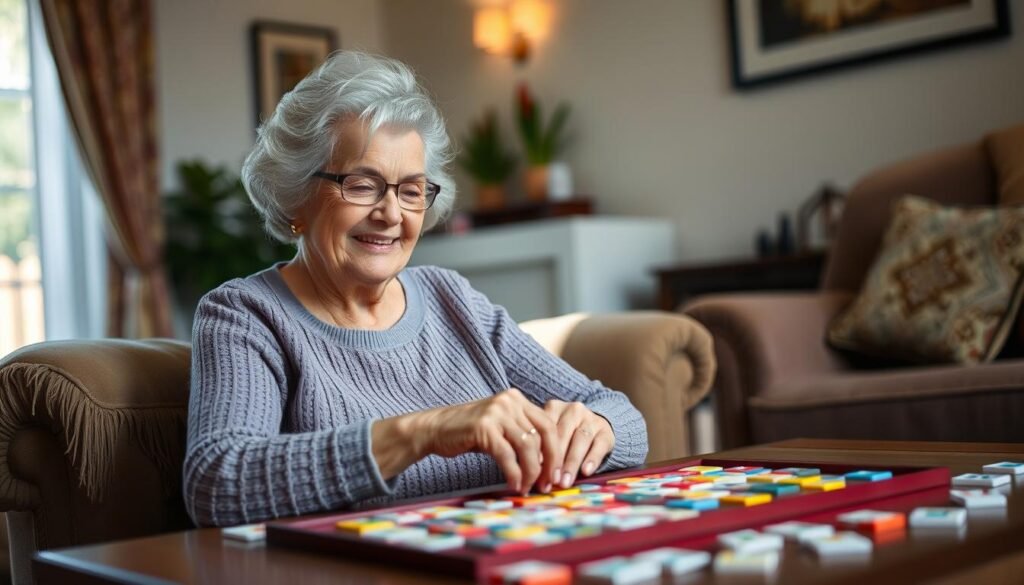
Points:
point(556, 266)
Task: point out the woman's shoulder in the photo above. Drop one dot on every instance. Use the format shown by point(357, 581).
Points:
point(439, 280)
point(250, 294)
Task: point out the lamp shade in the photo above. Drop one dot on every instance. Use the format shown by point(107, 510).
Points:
point(491, 31)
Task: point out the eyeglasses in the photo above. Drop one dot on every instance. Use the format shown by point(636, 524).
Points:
point(368, 190)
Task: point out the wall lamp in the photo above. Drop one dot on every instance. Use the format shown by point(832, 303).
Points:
point(511, 28)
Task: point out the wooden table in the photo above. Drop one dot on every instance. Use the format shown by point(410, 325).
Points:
point(992, 551)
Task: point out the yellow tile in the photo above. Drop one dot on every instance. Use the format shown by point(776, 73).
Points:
point(364, 525)
point(702, 469)
point(571, 502)
point(624, 480)
point(566, 492)
point(747, 500)
point(521, 532)
point(802, 481)
point(825, 486)
point(701, 479)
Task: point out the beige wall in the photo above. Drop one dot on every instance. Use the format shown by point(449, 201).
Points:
point(661, 132)
point(204, 70)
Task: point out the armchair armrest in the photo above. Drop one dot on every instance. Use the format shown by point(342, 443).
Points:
point(663, 362)
point(761, 339)
point(92, 435)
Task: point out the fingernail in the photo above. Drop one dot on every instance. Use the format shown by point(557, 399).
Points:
point(555, 475)
point(588, 468)
point(546, 488)
point(566, 479)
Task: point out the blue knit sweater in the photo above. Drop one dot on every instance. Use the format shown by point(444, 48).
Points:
point(281, 403)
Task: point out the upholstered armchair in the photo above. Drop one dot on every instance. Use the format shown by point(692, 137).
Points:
point(777, 379)
point(92, 433)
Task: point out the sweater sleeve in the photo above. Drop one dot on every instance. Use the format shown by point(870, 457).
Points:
point(239, 467)
point(543, 376)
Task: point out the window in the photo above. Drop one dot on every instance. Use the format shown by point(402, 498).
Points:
point(52, 249)
point(21, 294)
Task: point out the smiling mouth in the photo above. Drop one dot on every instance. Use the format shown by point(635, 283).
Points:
point(375, 241)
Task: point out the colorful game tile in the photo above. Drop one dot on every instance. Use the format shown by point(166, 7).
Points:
point(1006, 467)
point(363, 525)
point(623, 480)
point(987, 480)
point(451, 527)
point(799, 471)
point(499, 545)
point(747, 470)
point(245, 533)
point(489, 504)
point(775, 489)
point(800, 531)
point(746, 500)
point(840, 544)
point(801, 481)
point(520, 532)
point(868, 476)
point(401, 517)
point(573, 491)
point(398, 534)
point(978, 498)
point(437, 542)
point(825, 485)
point(702, 469)
point(675, 562)
point(929, 517)
point(531, 573)
point(769, 477)
point(618, 571)
point(625, 523)
point(873, 520)
point(728, 562)
point(748, 542)
point(440, 511)
point(693, 504)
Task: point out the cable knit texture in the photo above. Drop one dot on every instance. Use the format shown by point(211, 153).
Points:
point(282, 403)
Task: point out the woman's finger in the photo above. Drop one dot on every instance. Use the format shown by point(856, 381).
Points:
point(580, 444)
point(599, 449)
point(505, 456)
point(527, 450)
point(549, 442)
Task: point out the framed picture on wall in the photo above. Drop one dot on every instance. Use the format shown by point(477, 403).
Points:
point(282, 55)
point(774, 40)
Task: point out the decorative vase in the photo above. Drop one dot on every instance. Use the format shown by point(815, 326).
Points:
point(490, 197)
point(536, 183)
point(559, 181)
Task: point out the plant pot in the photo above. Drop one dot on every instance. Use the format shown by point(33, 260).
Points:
point(490, 197)
point(536, 183)
point(559, 181)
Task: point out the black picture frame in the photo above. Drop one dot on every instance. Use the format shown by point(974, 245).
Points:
point(766, 49)
point(282, 54)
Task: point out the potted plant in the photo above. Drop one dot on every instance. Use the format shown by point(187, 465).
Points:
point(543, 144)
point(213, 233)
point(485, 159)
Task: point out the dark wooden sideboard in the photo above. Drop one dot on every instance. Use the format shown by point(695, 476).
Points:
point(679, 284)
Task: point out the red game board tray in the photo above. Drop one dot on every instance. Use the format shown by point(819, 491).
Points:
point(319, 533)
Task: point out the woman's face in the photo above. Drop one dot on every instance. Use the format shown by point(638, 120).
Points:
point(369, 244)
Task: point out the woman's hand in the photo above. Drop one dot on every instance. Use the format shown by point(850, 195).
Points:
point(519, 435)
point(584, 439)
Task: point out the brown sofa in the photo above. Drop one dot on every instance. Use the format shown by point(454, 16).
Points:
point(777, 379)
point(92, 433)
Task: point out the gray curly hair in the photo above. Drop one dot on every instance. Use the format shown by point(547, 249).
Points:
point(299, 137)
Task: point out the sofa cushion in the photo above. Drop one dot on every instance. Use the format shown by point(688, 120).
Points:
point(934, 403)
point(945, 287)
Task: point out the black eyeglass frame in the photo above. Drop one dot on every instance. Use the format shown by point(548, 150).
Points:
point(340, 180)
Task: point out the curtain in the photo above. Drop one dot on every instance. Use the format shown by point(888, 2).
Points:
point(104, 55)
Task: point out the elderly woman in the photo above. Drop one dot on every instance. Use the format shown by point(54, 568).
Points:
point(343, 377)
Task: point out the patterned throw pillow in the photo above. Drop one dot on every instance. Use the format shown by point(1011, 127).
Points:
point(945, 286)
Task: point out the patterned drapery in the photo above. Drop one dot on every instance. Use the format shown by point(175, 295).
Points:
point(104, 55)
